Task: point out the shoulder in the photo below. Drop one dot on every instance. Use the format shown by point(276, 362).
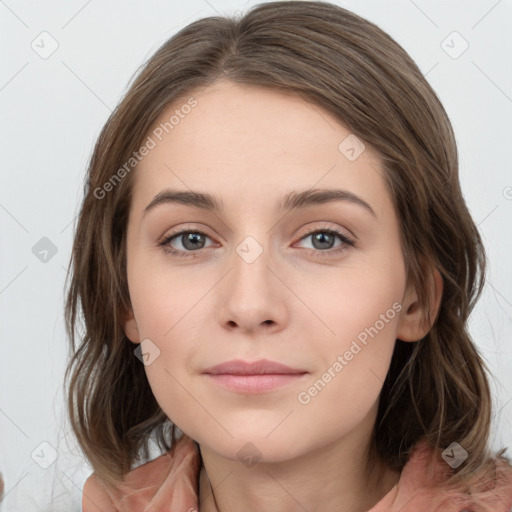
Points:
point(489, 490)
point(145, 478)
point(95, 497)
point(172, 473)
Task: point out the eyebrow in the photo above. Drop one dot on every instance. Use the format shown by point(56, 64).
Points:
point(292, 201)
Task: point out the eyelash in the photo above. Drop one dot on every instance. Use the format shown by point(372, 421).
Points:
point(347, 242)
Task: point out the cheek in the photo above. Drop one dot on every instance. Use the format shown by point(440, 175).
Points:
point(356, 299)
point(167, 315)
point(169, 378)
point(359, 313)
point(161, 301)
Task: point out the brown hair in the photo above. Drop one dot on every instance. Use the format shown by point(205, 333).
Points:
point(436, 388)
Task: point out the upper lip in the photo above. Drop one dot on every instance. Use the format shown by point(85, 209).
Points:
point(262, 366)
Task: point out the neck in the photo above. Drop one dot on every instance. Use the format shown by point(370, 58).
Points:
point(336, 469)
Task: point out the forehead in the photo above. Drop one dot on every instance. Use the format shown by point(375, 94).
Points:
point(251, 145)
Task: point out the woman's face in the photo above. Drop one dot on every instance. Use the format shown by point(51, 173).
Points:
point(264, 278)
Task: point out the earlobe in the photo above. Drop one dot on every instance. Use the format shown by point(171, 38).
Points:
point(410, 327)
point(130, 327)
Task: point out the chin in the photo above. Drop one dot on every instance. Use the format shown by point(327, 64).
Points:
point(250, 447)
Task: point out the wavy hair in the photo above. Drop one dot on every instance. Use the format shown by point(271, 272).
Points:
point(436, 388)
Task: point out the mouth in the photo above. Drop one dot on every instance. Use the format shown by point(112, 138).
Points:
point(253, 377)
point(262, 366)
point(255, 383)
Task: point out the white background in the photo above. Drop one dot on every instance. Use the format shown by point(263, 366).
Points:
point(52, 111)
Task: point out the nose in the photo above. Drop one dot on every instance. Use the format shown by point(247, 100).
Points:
point(253, 295)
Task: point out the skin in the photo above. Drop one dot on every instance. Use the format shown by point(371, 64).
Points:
point(294, 304)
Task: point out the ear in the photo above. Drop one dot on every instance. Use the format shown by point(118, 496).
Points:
point(130, 327)
point(409, 325)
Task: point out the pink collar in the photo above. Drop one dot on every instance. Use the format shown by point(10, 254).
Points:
point(171, 483)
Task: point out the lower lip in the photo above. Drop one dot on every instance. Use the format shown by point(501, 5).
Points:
point(254, 383)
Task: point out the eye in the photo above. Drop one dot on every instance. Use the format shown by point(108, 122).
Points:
point(189, 240)
point(323, 238)
point(193, 241)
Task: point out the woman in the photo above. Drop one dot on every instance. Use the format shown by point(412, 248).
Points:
point(297, 123)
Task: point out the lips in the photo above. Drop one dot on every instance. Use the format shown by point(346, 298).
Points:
point(258, 377)
point(260, 367)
